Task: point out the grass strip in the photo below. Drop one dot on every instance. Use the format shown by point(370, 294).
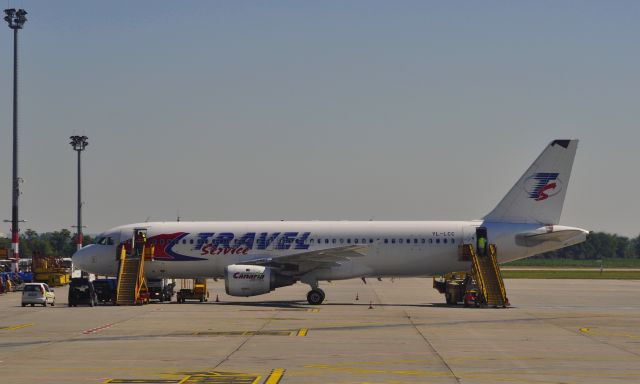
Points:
point(560, 274)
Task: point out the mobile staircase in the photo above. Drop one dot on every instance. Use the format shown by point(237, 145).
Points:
point(483, 286)
point(132, 286)
point(486, 273)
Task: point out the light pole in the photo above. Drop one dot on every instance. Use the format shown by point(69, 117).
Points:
point(16, 20)
point(79, 143)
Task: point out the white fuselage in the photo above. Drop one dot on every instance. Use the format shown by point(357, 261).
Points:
point(389, 248)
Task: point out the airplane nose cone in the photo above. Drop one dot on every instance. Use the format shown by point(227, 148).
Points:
point(80, 257)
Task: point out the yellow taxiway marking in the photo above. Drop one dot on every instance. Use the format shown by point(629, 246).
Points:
point(14, 327)
point(314, 310)
point(296, 332)
point(588, 331)
point(275, 376)
point(198, 377)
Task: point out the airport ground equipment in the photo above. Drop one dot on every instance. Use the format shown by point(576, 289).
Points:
point(195, 289)
point(160, 289)
point(82, 291)
point(49, 270)
point(486, 273)
point(132, 286)
point(454, 286)
point(483, 286)
point(106, 290)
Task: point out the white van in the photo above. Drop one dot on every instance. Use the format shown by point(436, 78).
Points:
point(38, 293)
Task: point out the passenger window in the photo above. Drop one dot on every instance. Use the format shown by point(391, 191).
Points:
point(386, 241)
point(400, 241)
point(341, 241)
point(437, 241)
point(430, 241)
point(333, 241)
point(370, 240)
point(445, 241)
point(190, 241)
point(355, 241)
point(348, 241)
point(422, 241)
point(453, 241)
point(326, 241)
point(311, 241)
point(408, 241)
point(393, 241)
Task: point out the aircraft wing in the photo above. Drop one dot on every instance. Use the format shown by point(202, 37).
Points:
point(312, 259)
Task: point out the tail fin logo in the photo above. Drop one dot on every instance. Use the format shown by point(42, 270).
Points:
point(541, 186)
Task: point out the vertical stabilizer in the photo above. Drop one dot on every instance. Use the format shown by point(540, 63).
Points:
point(539, 194)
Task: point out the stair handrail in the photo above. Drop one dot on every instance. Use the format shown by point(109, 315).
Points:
point(492, 253)
point(141, 280)
point(477, 272)
point(123, 256)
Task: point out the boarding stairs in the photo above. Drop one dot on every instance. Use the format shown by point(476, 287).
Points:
point(132, 286)
point(486, 273)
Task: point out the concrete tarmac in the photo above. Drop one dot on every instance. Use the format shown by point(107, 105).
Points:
point(557, 331)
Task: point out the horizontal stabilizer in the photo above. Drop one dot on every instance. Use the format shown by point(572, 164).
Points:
point(552, 233)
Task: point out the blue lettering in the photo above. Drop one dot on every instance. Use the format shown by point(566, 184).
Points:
point(300, 241)
point(286, 240)
point(246, 240)
point(264, 241)
point(201, 240)
point(223, 239)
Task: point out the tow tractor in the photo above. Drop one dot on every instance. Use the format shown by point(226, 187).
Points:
point(457, 287)
point(195, 289)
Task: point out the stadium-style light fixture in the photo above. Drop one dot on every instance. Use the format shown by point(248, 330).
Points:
point(79, 143)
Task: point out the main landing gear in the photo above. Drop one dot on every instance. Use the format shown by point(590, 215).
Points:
point(315, 296)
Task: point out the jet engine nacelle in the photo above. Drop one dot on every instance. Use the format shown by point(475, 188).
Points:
point(252, 280)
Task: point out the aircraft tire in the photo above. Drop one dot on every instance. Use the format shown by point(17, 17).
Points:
point(315, 297)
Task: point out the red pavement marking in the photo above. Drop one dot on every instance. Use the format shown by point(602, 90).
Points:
point(98, 329)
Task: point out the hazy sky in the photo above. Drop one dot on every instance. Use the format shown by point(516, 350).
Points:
point(239, 110)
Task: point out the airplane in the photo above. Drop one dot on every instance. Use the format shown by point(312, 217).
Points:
point(256, 257)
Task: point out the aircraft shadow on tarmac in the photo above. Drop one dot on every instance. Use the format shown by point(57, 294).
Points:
point(301, 304)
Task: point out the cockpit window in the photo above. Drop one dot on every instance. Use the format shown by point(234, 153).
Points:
point(105, 240)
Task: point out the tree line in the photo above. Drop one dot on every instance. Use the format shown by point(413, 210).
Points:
point(599, 245)
point(59, 243)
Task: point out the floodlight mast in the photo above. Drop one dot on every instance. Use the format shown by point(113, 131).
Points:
point(79, 143)
point(15, 19)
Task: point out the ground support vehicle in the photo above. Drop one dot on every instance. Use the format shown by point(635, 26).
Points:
point(195, 289)
point(38, 293)
point(82, 291)
point(160, 289)
point(105, 290)
point(50, 270)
